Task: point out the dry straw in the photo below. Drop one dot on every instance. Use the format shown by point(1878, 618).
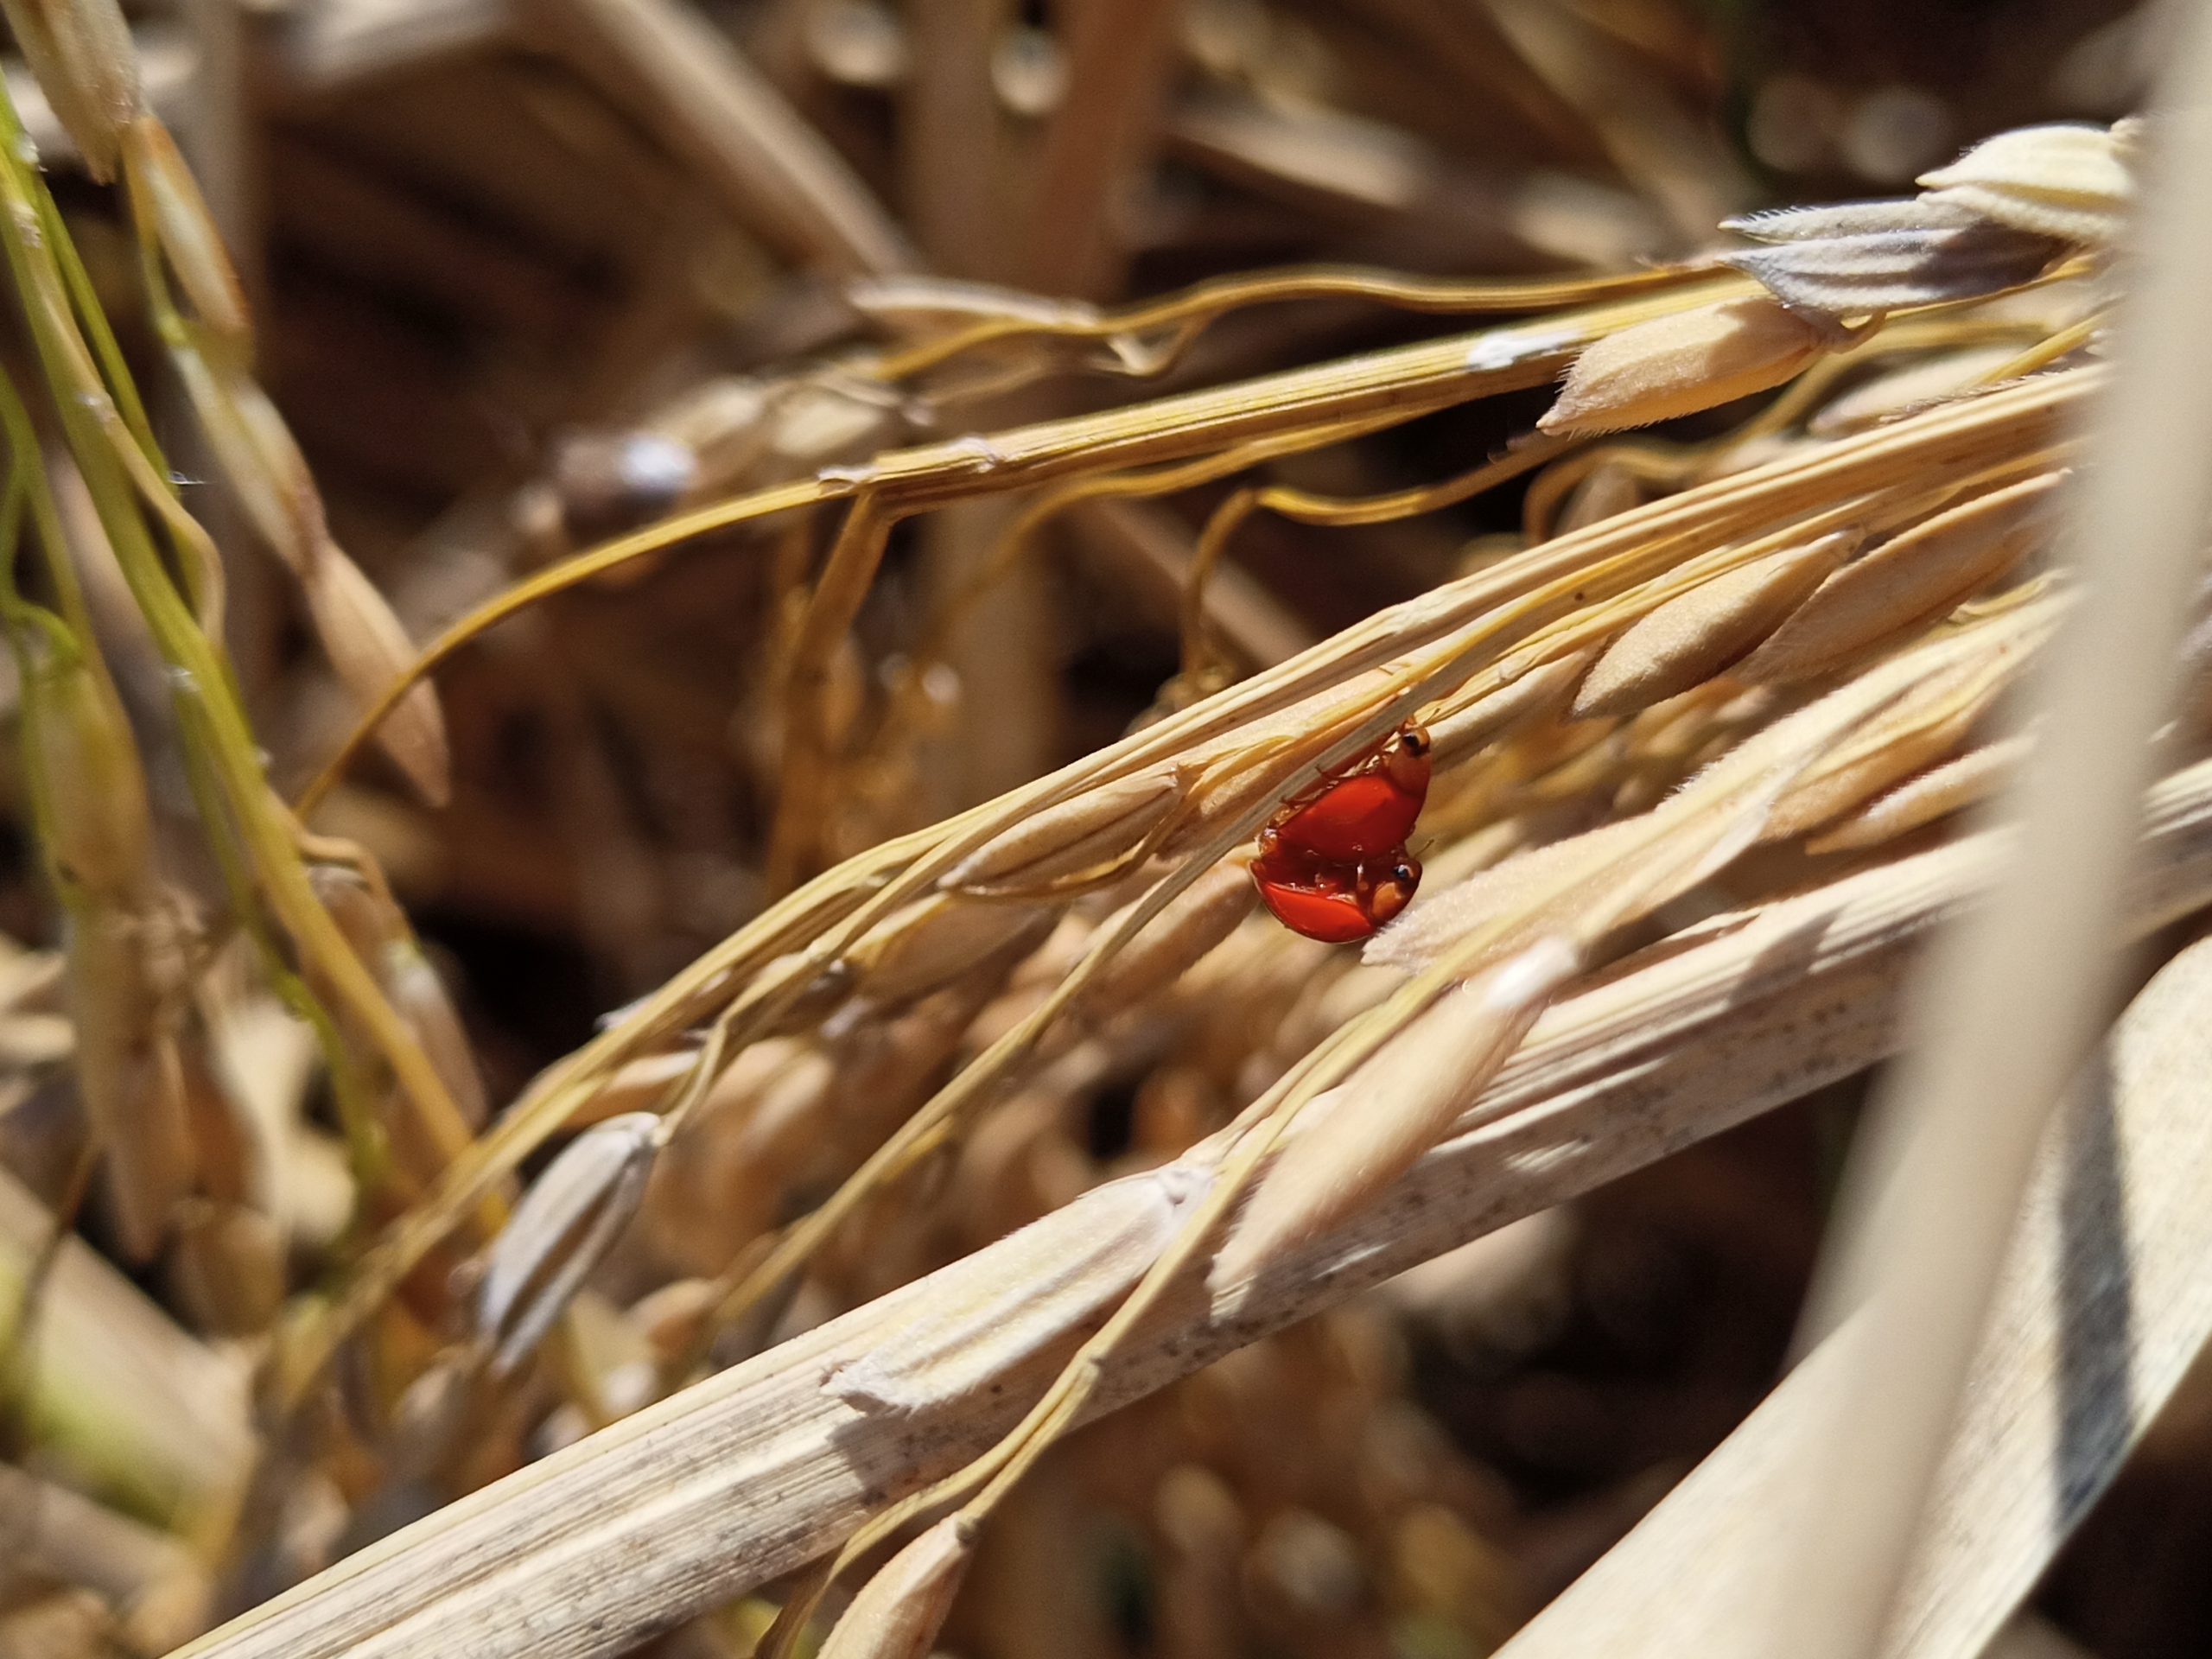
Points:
point(1611, 1079)
point(2016, 997)
point(1775, 647)
point(2012, 1488)
point(1247, 773)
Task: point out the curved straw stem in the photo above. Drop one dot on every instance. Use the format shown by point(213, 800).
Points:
point(2013, 999)
point(1191, 310)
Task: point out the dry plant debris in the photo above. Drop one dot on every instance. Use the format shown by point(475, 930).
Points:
point(864, 647)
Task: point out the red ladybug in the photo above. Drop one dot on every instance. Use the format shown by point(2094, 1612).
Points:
point(1332, 902)
point(1333, 864)
point(1364, 813)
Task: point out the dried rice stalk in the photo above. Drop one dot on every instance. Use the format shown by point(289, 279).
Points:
point(1352, 700)
point(1611, 1078)
point(1191, 925)
point(1092, 831)
point(936, 940)
point(1553, 917)
point(1964, 675)
point(1550, 910)
point(1355, 1140)
point(1588, 884)
point(795, 1115)
point(949, 1352)
point(1495, 716)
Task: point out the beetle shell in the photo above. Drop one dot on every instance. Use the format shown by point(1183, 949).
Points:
point(1354, 818)
point(1335, 903)
point(1367, 813)
point(1329, 912)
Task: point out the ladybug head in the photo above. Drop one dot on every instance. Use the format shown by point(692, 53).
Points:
point(1393, 889)
point(1406, 759)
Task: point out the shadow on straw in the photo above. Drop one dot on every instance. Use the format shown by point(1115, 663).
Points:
point(2096, 1333)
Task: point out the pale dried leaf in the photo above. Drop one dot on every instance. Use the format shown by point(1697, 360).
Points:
point(897, 1612)
point(1026, 1304)
point(1349, 1143)
point(2113, 1246)
point(1936, 794)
